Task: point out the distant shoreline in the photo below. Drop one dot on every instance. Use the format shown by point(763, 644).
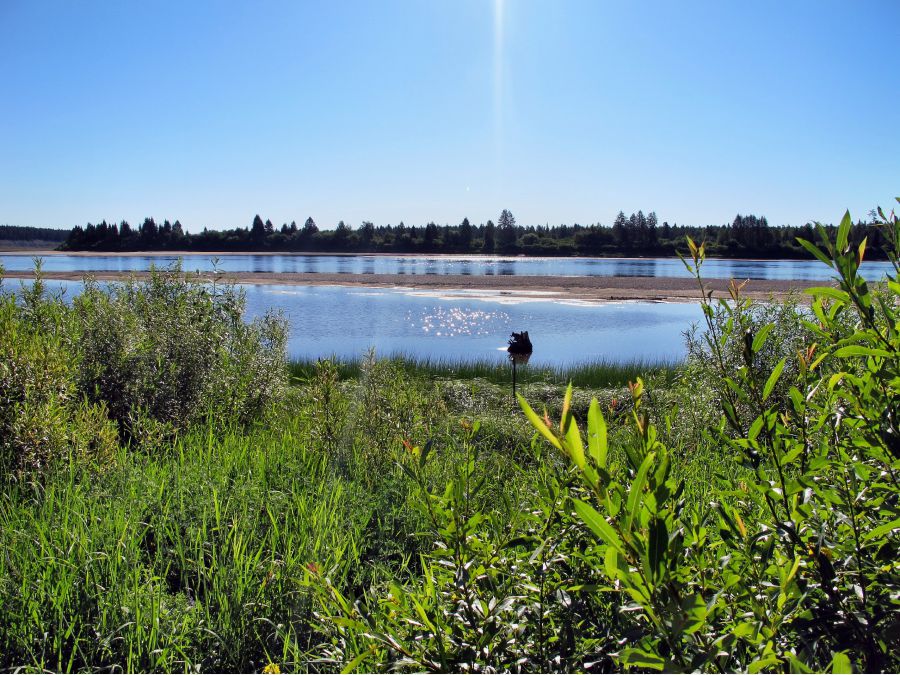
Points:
point(41, 253)
point(596, 289)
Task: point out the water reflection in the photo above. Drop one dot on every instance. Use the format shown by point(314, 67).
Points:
point(431, 265)
point(262, 263)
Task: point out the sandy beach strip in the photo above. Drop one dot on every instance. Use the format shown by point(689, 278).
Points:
point(597, 289)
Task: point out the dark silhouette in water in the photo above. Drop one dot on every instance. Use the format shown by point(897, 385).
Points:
point(520, 345)
point(519, 351)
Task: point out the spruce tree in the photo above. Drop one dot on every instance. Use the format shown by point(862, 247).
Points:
point(506, 232)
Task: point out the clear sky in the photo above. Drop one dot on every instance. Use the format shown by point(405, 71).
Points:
point(562, 111)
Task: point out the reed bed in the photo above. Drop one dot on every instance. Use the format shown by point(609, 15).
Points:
point(599, 373)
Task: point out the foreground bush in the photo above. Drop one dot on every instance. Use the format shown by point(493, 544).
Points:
point(152, 356)
point(170, 350)
point(42, 415)
point(792, 566)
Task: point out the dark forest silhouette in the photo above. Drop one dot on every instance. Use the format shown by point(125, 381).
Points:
point(747, 236)
point(16, 233)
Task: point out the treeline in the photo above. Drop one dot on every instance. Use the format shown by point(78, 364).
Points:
point(747, 236)
point(15, 233)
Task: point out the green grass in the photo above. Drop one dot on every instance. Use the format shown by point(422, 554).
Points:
point(198, 554)
point(193, 558)
point(591, 374)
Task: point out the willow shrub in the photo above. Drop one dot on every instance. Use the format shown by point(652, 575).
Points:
point(171, 350)
point(152, 356)
point(797, 567)
point(789, 564)
point(42, 415)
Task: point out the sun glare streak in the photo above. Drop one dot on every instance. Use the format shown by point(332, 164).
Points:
point(498, 89)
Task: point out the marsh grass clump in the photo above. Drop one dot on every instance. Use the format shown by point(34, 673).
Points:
point(599, 373)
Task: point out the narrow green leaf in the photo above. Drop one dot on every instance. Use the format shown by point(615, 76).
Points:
point(829, 292)
point(882, 530)
point(636, 491)
point(611, 563)
point(598, 524)
point(840, 663)
point(835, 379)
point(597, 442)
point(638, 658)
point(815, 250)
point(538, 423)
point(761, 664)
point(859, 350)
point(761, 336)
point(573, 442)
point(355, 663)
point(823, 235)
point(843, 233)
point(755, 428)
point(773, 379)
point(567, 402)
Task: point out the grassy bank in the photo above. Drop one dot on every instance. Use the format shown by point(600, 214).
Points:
point(209, 551)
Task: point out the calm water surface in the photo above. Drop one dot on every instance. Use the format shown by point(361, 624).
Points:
point(342, 321)
point(468, 265)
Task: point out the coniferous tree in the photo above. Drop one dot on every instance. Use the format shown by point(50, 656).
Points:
point(367, 233)
point(652, 232)
point(310, 227)
point(489, 243)
point(506, 232)
point(149, 231)
point(620, 230)
point(258, 229)
point(465, 235)
point(430, 237)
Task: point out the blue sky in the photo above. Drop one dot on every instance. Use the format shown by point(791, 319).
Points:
point(561, 111)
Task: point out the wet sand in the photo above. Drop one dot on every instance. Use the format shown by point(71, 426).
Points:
point(597, 289)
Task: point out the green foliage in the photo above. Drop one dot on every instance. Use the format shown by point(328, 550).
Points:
point(623, 560)
point(152, 356)
point(795, 567)
point(747, 236)
point(482, 599)
point(169, 351)
point(42, 415)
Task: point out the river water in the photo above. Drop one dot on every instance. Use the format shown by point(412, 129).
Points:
point(804, 270)
point(347, 321)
